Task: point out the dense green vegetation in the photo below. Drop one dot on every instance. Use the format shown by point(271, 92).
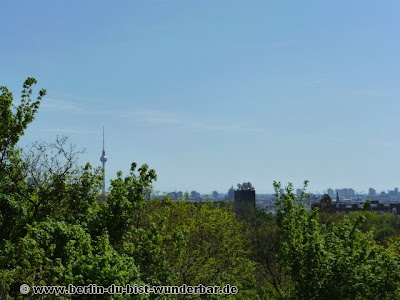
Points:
point(54, 231)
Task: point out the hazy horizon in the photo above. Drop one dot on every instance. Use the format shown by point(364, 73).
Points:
point(215, 93)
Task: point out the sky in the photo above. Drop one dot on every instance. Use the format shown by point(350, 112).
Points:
point(213, 93)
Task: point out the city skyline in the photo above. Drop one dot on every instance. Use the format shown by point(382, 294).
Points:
point(210, 93)
point(343, 192)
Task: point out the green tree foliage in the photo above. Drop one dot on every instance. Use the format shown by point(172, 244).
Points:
point(126, 200)
point(263, 234)
point(339, 263)
point(189, 243)
point(54, 231)
point(13, 122)
point(15, 119)
point(48, 229)
point(206, 245)
point(384, 226)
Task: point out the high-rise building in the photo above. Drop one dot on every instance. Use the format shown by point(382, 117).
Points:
point(194, 195)
point(214, 194)
point(298, 192)
point(371, 192)
point(339, 192)
point(245, 198)
point(231, 194)
point(173, 195)
point(331, 193)
point(346, 192)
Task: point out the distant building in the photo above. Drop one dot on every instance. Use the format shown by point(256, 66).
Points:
point(331, 193)
point(194, 196)
point(245, 196)
point(231, 194)
point(298, 192)
point(371, 192)
point(394, 193)
point(173, 195)
point(346, 192)
point(327, 205)
point(214, 195)
point(245, 199)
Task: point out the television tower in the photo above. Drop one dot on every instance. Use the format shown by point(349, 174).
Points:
point(103, 159)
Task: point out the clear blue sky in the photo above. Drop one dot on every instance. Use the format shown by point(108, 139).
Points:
point(212, 93)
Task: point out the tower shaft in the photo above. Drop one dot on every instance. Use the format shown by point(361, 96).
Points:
point(103, 193)
point(103, 159)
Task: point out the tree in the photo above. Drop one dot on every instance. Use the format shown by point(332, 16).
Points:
point(203, 243)
point(341, 262)
point(13, 124)
point(48, 229)
point(384, 226)
point(263, 234)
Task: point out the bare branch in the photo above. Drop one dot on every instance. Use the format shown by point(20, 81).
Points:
point(47, 162)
